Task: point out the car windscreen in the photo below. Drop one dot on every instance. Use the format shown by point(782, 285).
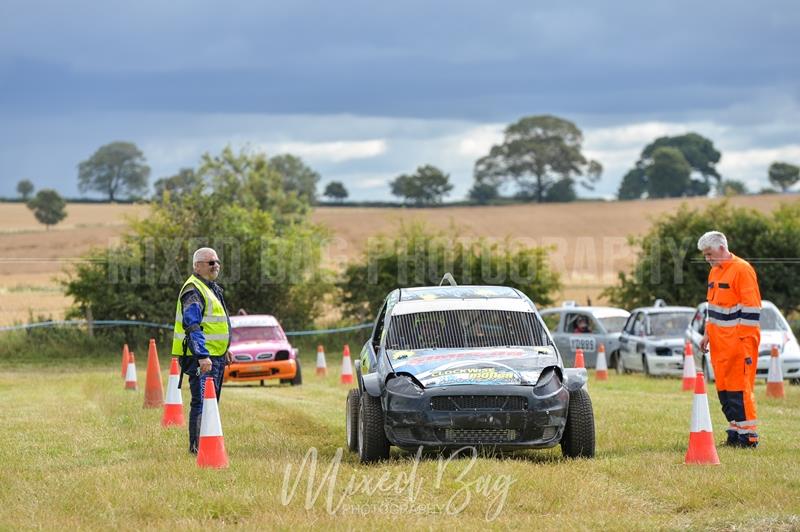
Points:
point(456, 329)
point(669, 323)
point(770, 321)
point(613, 324)
point(256, 334)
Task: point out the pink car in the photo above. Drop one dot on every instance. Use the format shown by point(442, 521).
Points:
point(261, 351)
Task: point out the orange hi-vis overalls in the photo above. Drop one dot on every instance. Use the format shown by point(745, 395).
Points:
point(734, 308)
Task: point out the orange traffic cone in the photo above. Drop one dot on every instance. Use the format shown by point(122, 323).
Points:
point(688, 368)
point(347, 367)
point(153, 389)
point(211, 449)
point(322, 366)
point(775, 375)
point(126, 355)
point(701, 435)
point(173, 406)
point(130, 373)
point(601, 368)
point(579, 362)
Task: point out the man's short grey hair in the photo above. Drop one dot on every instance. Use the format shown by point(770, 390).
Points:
point(200, 254)
point(712, 239)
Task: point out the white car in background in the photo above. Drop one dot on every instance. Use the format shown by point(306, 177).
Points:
point(652, 340)
point(775, 330)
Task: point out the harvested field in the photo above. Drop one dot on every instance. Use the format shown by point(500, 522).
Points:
point(589, 239)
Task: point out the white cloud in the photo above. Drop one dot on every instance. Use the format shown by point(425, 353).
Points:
point(476, 142)
point(337, 151)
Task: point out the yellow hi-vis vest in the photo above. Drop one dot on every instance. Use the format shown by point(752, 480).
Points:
point(214, 323)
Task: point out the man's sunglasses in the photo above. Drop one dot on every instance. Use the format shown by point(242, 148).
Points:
point(212, 262)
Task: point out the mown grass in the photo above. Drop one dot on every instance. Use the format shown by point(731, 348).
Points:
point(79, 452)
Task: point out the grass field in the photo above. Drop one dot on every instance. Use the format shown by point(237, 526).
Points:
point(79, 452)
point(588, 239)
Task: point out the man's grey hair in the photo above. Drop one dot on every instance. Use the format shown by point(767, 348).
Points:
point(200, 254)
point(712, 239)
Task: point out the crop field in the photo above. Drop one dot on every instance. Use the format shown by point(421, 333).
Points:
point(79, 452)
point(588, 240)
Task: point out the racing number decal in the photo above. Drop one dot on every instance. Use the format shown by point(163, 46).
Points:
point(587, 344)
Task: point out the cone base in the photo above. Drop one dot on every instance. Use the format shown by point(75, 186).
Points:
point(211, 452)
point(601, 375)
point(701, 449)
point(173, 416)
point(347, 379)
point(688, 384)
point(153, 402)
point(775, 389)
point(322, 372)
point(131, 386)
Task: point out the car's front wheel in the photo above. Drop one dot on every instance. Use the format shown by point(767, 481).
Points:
point(372, 442)
point(351, 419)
point(578, 440)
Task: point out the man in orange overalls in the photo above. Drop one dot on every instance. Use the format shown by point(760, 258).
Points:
point(733, 334)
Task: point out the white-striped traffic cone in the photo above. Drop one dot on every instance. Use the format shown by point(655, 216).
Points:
point(211, 449)
point(688, 368)
point(775, 375)
point(322, 366)
point(701, 435)
point(347, 367)
point(601, 367)
point(130, 375)
point(173, 406)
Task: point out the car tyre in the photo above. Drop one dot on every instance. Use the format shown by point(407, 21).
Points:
point(298, 376)
point(351, 419)
point(373, 445)
point(578, 440)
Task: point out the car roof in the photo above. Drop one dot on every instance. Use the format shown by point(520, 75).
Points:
point(429, 293)
point(254, 320)
point(600, 312)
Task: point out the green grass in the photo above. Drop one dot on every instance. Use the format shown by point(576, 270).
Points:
point(79, 452)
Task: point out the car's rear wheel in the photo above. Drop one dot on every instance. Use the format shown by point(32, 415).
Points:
point(578, 440)
point(351, 419)
point(372, 442)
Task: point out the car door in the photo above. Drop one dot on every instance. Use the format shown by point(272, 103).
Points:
point(625, 339)
point(633, 345)
point(583, 340)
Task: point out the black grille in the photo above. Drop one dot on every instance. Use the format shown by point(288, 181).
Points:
point(502, 403)
point(478, 435)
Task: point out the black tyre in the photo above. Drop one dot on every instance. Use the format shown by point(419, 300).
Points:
point(372, 442)
point(578, 439)
point(351, 419)
point(298, 377)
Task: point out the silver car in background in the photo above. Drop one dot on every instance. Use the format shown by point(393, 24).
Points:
point(652, 340)
point(602, 326)
point(775, 330)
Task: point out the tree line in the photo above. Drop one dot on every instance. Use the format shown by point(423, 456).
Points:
point(540, 159)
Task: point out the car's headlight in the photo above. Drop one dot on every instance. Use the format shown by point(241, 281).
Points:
point(404, 385)
point(549, 383)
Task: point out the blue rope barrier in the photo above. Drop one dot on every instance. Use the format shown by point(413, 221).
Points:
point(129, 323)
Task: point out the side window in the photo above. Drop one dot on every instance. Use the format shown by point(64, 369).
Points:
point(377, 330)
point(639, 324)
point(551, 321)
point(628, 328)
point(577, 323)
point(699, 322)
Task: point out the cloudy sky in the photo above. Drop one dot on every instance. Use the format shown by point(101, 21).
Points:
point(364, 91)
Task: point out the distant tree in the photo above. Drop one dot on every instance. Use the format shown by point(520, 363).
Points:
point(767, 190)
point(336, 191)
point(48, 207)
point(698, 152)
point(297, 177)
point(178, 185)
point(483, 193)
point(732, 187)
point(783, 175)
point(428, 185)
point(116, 169)
point(537, 152)
point(25, 189)
point(561, 191)
point(667, 173)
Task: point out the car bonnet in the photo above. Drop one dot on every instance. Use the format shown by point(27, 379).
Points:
point(493, 365)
